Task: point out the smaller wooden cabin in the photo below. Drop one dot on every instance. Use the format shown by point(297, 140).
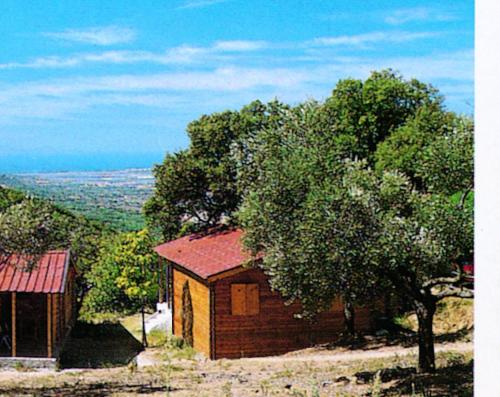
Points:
point(37, 306)
point(227, 310)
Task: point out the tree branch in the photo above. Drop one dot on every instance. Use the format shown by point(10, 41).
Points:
point(452, 291)
point(464, 196)
point(444, 280)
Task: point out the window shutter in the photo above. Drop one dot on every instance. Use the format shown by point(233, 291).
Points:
point(245, 299)
point(252, 299)
point(238, 299)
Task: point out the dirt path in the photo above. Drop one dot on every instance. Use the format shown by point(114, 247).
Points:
point(360, 354)
point(315, 370)
point(149, 358)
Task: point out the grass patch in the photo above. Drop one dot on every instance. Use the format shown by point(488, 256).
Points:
point(175, 348)
point(133, 324)
point(453, 315)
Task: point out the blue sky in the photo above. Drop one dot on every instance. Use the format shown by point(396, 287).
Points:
point(90, 79)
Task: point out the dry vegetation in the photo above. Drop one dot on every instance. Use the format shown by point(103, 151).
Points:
point(454, 320)
point(371, 369)
point(248, 377)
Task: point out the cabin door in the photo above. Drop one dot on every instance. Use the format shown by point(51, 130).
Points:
point(31, 325)
point(5, 324)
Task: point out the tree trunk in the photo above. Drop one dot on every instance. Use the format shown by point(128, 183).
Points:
point(425, 315)
point(349, 318)
point(144, 335)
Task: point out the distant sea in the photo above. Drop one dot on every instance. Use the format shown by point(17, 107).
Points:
point(19, 163)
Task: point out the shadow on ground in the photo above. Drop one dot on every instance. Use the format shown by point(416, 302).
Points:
point(455, 380)
point(103, 345)
point(397, 336)
point(92, 390)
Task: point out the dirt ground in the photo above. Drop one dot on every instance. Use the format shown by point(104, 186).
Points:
point(323, 371)
point(105, 359)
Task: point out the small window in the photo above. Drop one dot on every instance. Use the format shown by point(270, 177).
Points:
point(245, 299)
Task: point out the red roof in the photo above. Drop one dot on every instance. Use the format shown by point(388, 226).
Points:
point(47, 276)
point(207, 254)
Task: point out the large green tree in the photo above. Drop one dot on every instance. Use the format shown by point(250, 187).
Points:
point(196, 188)
point(328, 224)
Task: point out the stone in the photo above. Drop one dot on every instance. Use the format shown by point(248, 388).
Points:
point(342, 379)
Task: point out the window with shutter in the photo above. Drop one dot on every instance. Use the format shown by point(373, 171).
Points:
point(245, 299)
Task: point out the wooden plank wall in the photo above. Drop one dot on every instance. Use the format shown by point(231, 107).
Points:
point(200, 296)
point(69, 300)
point(63, 313)
point(274, 330)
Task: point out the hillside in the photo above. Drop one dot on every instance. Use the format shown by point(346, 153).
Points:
point(111, 197)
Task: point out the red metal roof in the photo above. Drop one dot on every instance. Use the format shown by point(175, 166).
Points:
point(206, 254)
point(47, 276)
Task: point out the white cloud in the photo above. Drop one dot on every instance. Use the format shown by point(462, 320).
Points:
point(102, 36)
point(454, 66)
point(200, 3)
point(222, 74)
point(417, 14)
point(42, 63)
point(239, 45)
point(370, 38)
point(183, 54)
point(457, 66)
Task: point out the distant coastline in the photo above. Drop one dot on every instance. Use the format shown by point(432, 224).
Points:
point(100, 162)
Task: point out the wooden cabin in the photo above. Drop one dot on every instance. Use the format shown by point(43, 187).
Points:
point(37, 306)
point(227, 310)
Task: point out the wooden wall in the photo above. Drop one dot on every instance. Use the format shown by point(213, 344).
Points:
point(200, 296)
point(62, 314)
point(274, 330)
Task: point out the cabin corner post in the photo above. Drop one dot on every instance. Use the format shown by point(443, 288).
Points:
point(168, 283)
point(161, 285)
point(49, 325)
point(212, 308)
point(13, 325)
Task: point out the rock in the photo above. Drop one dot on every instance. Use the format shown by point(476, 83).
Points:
point(382, 332)
point(343, 379)
point(364, 377)
point(326, 383)
point(388, 374)
point(288, 386)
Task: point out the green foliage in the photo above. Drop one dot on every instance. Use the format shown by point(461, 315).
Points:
point(26, 228)
point(316, 229)
point(331, 225)
point(447, 164)
point(196, 188)
point(138, 264)
point(33, 226)
point(9, 197)
point(314, 213)
point(124, 275)
point(403, 150)
point(368, 111)
point(177, 348)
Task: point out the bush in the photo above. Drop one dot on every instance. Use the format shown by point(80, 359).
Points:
point(124, 275)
